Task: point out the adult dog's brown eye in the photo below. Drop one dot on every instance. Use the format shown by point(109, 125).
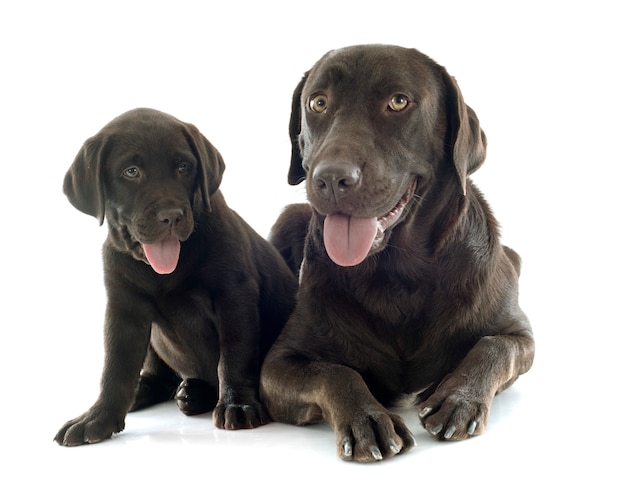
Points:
point(398, 102)
point(183, 168)
point(318, 103)
point(132, 172)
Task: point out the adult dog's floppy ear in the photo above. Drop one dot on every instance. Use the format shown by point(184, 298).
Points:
point(210, 168)
point(468, 142)
point(296, 171)
point(83, 181)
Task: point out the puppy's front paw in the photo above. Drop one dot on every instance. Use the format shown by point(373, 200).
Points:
point(234, 416)
point(373, 436)
point(91, 427)
point(454, 415)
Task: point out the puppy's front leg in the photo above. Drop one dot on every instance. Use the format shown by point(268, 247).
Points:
point(299, 391)
point(126, 343)
point(238, 406)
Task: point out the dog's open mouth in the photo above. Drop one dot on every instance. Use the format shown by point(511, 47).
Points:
point(163, 255)
point(349, 240)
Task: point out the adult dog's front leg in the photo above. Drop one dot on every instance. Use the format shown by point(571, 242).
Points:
point(126, 343)
point(300, 393)
point(459, 407)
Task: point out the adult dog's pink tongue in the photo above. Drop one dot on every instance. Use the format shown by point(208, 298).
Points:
point(163, 256)
point(348, 240)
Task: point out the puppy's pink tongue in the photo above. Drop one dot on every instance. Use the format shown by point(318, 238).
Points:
point(348, 240)
point(163, 256)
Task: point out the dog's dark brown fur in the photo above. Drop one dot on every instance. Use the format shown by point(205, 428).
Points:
point(207, 322)
point(430, 316)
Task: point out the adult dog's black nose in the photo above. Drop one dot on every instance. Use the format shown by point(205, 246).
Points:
point(170, 216)
point(334, 180)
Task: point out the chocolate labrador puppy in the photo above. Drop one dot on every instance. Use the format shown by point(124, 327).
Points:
point(194, 294)
point(406, 295)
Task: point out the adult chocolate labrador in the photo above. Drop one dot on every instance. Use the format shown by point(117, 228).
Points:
point(406, 294)
point(194, 294)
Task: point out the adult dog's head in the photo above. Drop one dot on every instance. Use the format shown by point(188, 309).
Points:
point(148, 173)
point(376, 130)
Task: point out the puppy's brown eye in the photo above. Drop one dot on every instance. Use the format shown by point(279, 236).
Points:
point(132, 172)
point(318, 103)
point(398, 102)
point(183, 168)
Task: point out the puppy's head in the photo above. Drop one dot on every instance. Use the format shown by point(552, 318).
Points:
point(374, 130)
point(147, 173)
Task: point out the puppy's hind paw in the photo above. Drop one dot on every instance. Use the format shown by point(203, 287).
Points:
point(195, 396)
point(152, 390)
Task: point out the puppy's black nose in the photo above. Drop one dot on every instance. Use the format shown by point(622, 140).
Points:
point(335, 179)
point(170, 216)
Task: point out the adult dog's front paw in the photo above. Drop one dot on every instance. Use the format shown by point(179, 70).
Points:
point(91, 427)
point(372, 436)
point(454, 414)
point(234, 416)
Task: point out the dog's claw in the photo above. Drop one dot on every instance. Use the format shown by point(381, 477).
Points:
point(347, 449)
point(376, 454)
point(394, 447)
point(472, 427)
point(425, 411)
point(449, 432)
point(435, 430)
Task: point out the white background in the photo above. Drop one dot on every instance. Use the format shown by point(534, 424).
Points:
point(547, 82)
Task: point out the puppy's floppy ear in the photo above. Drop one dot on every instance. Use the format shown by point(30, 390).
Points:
point(83, 183)
point(210, 168)
point(296, 171)
point(468, 141)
